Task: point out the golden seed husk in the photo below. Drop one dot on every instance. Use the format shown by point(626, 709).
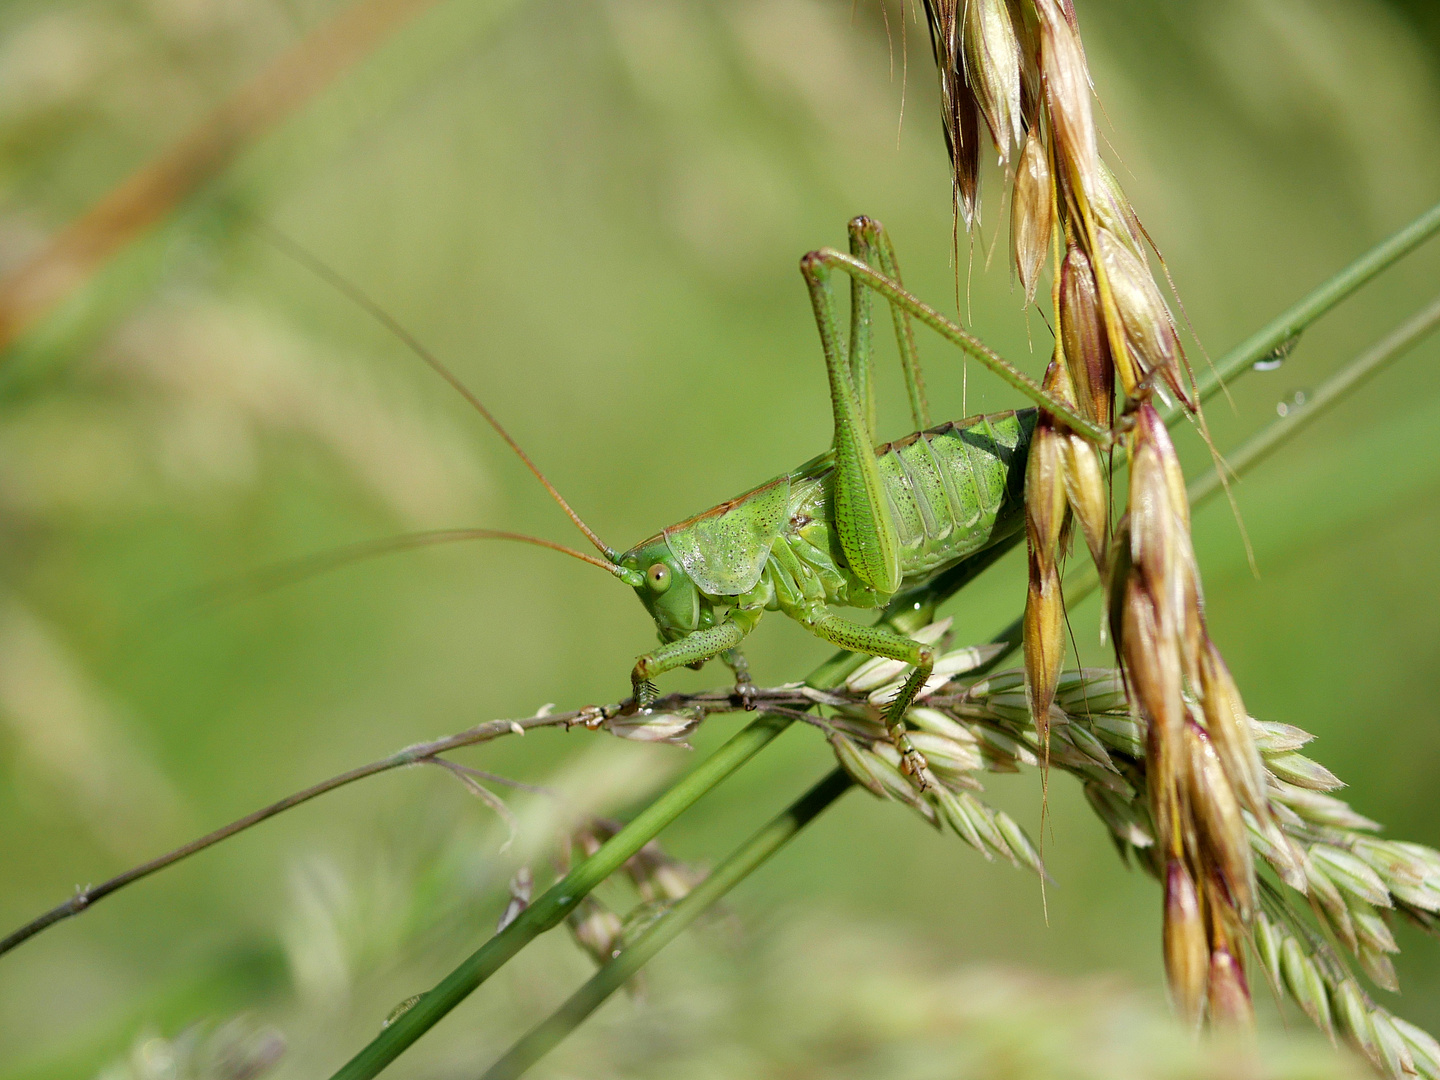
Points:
point(1031, 213)
point(1145, 319)
point(1027, 38)
point(992, 68)
point(1044, 644)
point(1228, 725)
point(1229, 997)
point(1160, 537)
point(1153, 663)
point(1045, 502)
point(1114, 213)
point(1066, 81)
point(1087, 492)
point(1215, 810)
point(1187, 952)
point(1046, 515)
point(1082, 333)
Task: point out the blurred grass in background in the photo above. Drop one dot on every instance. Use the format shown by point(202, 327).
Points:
point(594, 212)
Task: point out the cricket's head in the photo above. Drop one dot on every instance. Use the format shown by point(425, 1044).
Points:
point(669, 594)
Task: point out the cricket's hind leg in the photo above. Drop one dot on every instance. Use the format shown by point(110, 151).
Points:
point(818, 266)
point(878, 641)
point(735, 660)
point(870, 243)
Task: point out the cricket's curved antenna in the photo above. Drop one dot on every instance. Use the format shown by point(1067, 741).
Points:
point(307, 566)
point(344, 285)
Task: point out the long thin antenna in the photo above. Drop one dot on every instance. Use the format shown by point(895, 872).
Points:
point(324, 271)
point(288, 573)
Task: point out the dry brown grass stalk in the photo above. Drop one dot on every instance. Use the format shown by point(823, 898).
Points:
point(81, 248)
point(1021, 67)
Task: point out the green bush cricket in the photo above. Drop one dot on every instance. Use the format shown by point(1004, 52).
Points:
point(852, 527)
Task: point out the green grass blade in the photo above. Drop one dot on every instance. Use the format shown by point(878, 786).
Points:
point(917, 610)
point(743, 861)
point(1390, 348)
point(1276, 334)
point(557, 902)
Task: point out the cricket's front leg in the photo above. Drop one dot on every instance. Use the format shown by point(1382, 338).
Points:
point(816, 263)
point(693, 648)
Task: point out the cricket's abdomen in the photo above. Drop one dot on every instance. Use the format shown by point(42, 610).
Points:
point(953, 490)
point(956, 489)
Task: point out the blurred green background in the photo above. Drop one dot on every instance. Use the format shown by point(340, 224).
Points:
point(594, 211)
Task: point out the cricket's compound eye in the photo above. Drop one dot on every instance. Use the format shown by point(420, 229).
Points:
point(659, 578)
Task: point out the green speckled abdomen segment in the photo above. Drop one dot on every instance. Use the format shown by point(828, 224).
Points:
point(956, 488)
point(953, 490)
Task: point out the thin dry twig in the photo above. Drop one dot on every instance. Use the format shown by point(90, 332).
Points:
point(591, 717)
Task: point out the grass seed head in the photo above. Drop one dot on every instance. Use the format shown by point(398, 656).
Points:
point(1395, 1059)
point(596, 929)
point(1066, 81)
point(1027, 38)
point(1307, 988)
point(1149, 330)
point(1187, 952)
point(1424, 1050)
point(945, 755)
point(1316, 808)
point(1044, 642)
point(1224, 839)
point(992, 68)
point(673, 727)
point(1229, 996)
point(1082, 333)
point(1351, 874)
point(1272, 738)
point(1153, 663)
point(1114, 213)
point(1267, 940)
point(1331, 903)
point(958, 817)
point(659, 877)
point(1377, 965)
point(1046, 513)
point(1229, 727)
point(522, 885)
point(1352, 1010)
point(1022, 850)
point(1031, 213)
point(1087, 492)
point(1303, 772)
point(859, 765)
point(1125, 818)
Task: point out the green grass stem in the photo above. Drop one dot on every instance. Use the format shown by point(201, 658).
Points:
point(1390, 348)
point(560, 899)
point(742, 862)
point(1282, 330)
